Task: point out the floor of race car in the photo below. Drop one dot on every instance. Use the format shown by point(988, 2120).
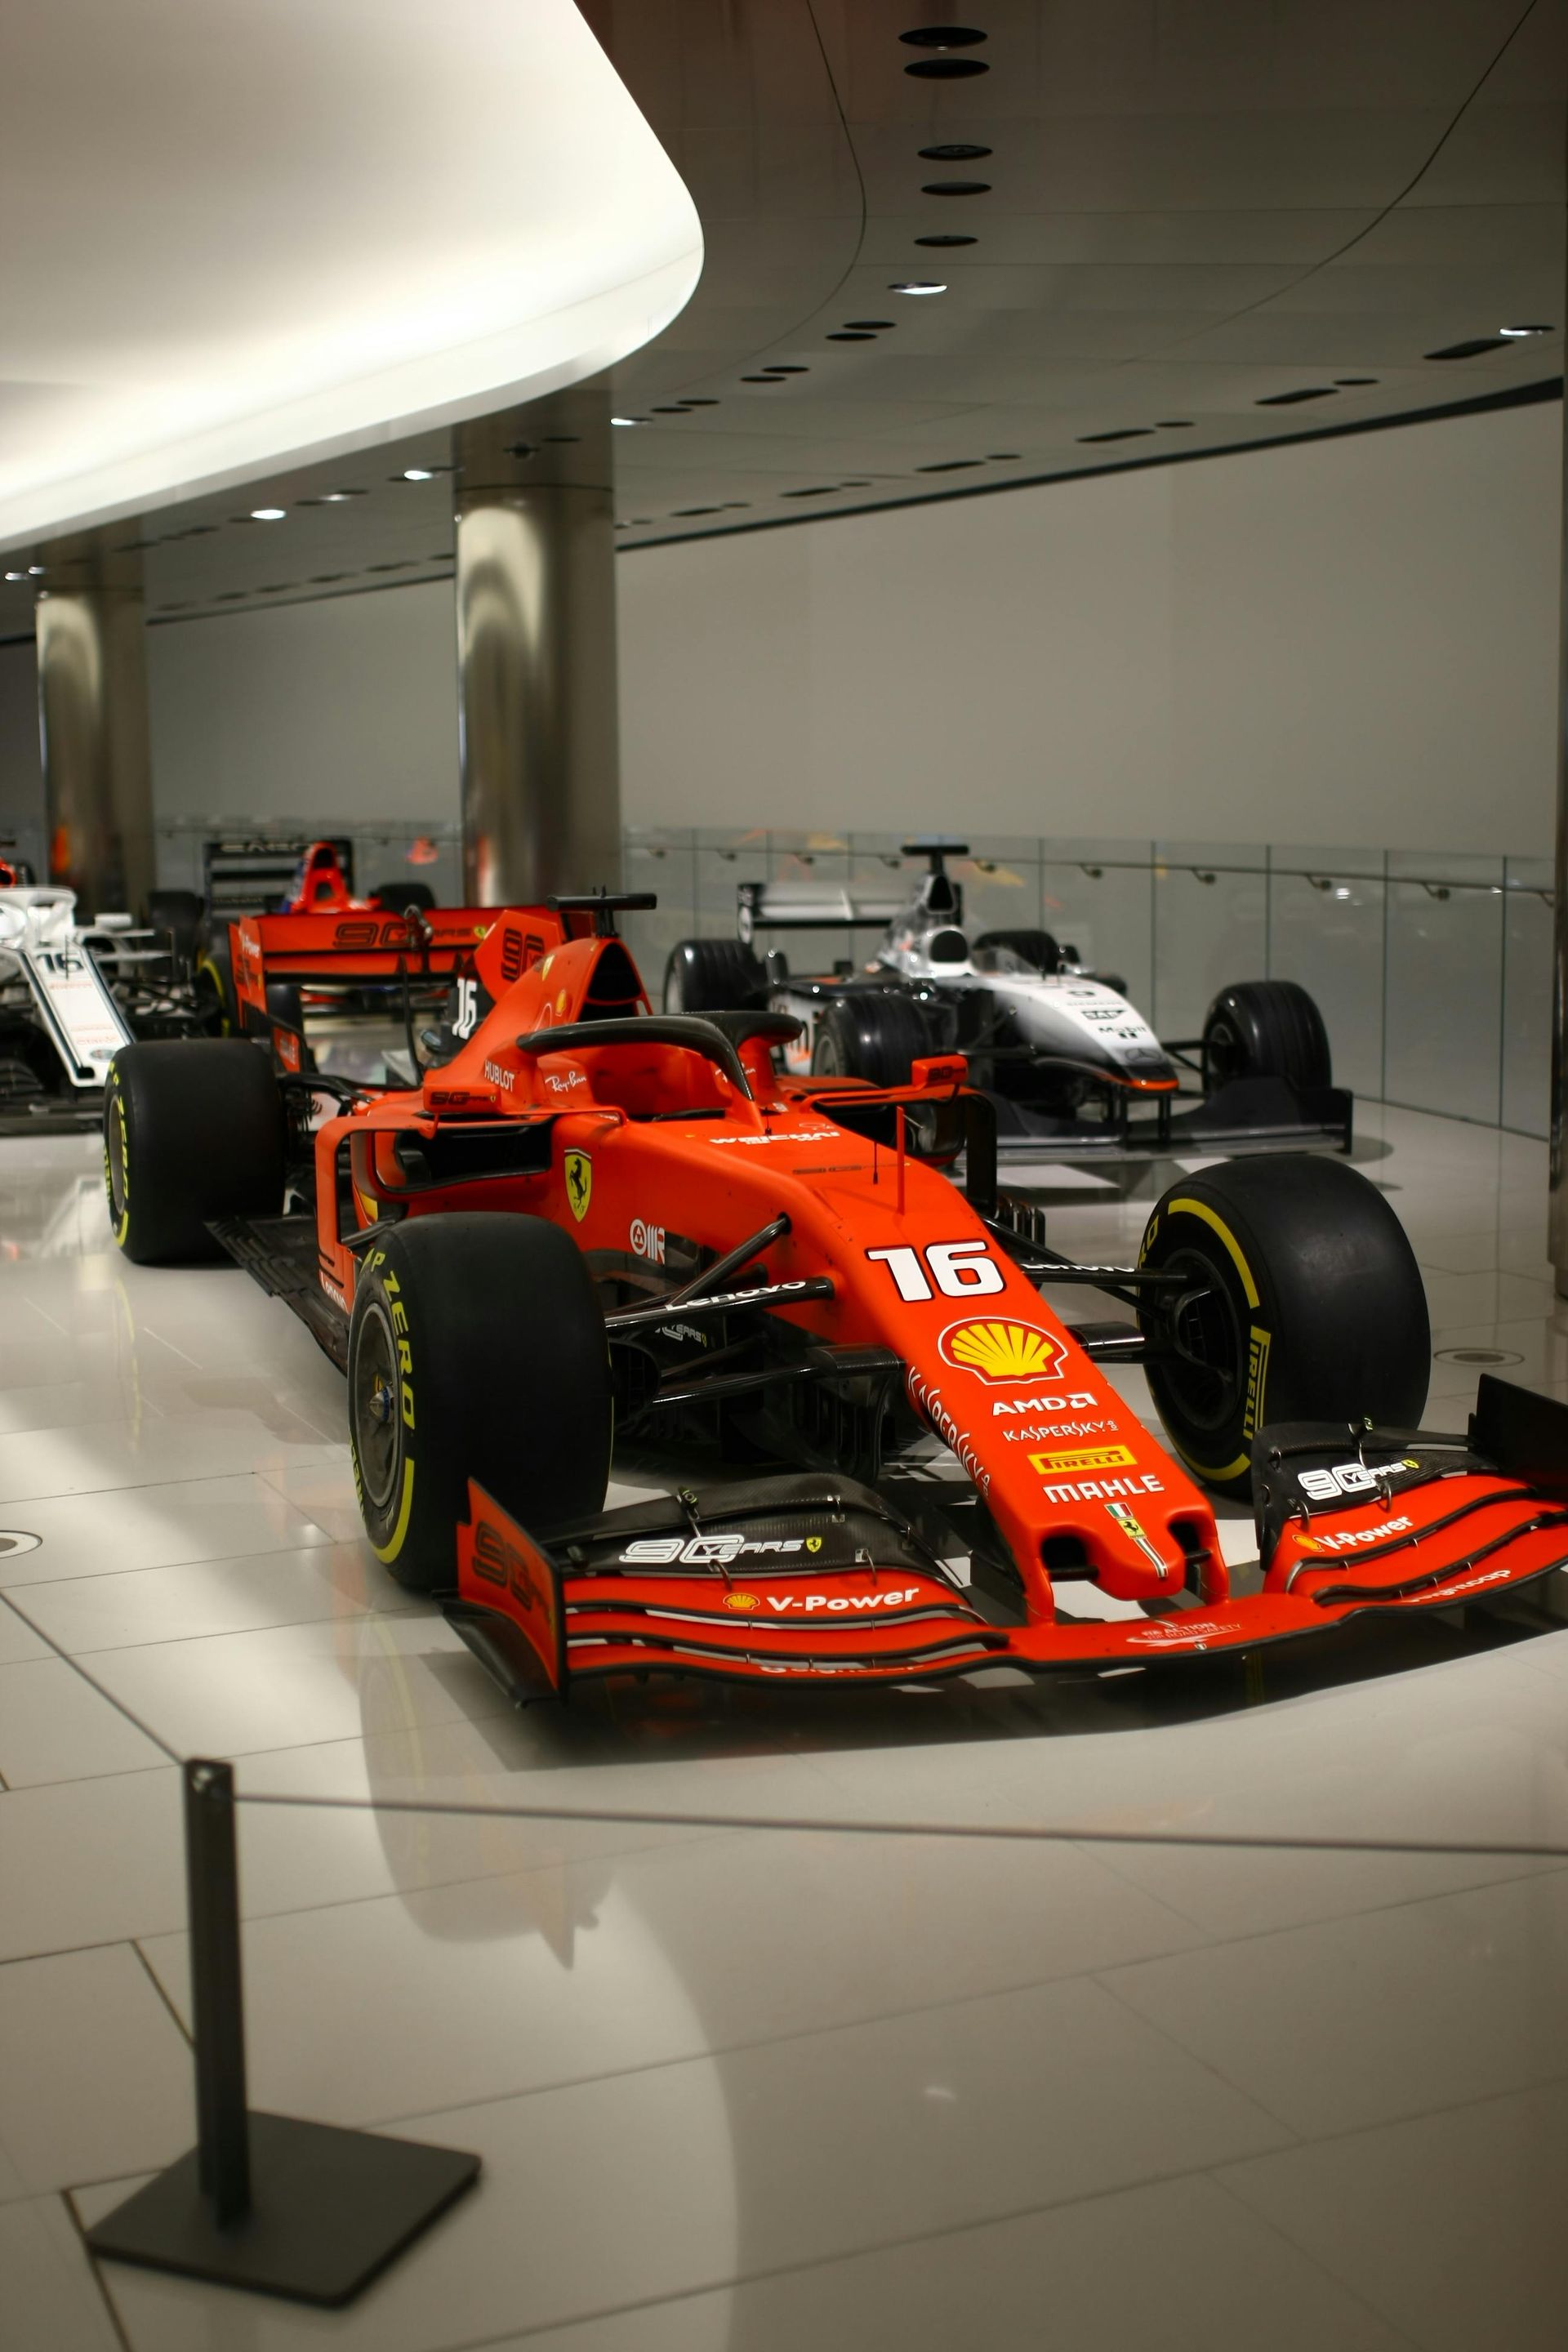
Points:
point(1195, 2073)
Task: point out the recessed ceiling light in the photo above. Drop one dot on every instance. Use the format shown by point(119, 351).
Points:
point(954, 151)
point(557, 439)
point(1513, 333)
point(668, 409)
point(1175, 423)
point(34, 570)
point(322, 579)
point(268, 514)
point(942, 36)
point(336, 497)
point(818, 490)
point(698, 402)
point(15, 575)
point(851, 335)
point(1355, 379)
point(917, 285)
point(868, 326)
point(1003, 456)
point(680, 514)
point(1290, 399)
point(418, 474)
point(625, 420)
point(956, 188)
point(1122, 433)
point(782, 367)
point(947, 240)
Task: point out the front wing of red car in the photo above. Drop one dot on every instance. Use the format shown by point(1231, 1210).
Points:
point(814, 1578)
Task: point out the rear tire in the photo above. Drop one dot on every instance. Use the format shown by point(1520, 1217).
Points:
point(477, 1351)
point(1266, 1029)
point(870, 1033)
point(176, 916)
point(1036, 947)
point(193, 1128)
point(713, 976)
point(1313, 1309)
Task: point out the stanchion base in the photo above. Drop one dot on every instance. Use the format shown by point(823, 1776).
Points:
point(329, 2209)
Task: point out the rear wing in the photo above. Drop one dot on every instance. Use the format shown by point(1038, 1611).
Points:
point(810, 907)
point(241, 873)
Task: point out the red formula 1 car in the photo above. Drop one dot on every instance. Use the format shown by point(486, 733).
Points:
point(592, 1221)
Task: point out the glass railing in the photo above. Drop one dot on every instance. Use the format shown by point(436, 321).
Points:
point(1433, 971)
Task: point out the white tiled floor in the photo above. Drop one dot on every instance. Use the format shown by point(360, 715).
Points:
point(738, 2090)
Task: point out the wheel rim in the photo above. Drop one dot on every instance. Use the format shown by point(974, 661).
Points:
point(1206, 1376)
point(377, 1422)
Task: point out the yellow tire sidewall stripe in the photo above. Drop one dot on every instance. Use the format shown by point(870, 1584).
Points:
point(1210, 1217)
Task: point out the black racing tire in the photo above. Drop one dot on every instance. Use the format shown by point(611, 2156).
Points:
point(1036, 947)
point(477, 1351)
point(392, 897)
point(1266, 1029)
point(1310, 1307)
point(869, 1032)
point(193, 1128)
point(176, 916)
point(213, 979)
point(713, 976)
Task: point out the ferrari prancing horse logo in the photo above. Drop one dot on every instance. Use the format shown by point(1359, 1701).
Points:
point(579, 1169)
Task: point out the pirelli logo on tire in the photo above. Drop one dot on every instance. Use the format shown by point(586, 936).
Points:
point(1258, 1346)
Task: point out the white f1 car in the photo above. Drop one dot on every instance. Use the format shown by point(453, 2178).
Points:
point(72, 995)
point(1075, 1069)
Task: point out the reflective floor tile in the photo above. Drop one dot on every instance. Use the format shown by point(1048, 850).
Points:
point(1449, 2225)
point(95, 2075)
point(153, 1527)
point(55, 1727)
point(191, 1600)
point(49, 2299)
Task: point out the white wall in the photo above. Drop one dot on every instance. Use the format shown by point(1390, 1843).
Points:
point(1348, 642)
point(347, 707)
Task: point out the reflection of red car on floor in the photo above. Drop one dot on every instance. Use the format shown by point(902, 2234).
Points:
point(590, 1218)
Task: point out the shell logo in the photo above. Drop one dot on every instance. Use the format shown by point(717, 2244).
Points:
point(742, 1602)
point(1002, 1353)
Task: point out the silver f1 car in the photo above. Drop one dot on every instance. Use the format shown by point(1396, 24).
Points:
point(1076, 1071)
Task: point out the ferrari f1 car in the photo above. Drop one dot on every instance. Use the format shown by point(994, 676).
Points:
point(1074, 1071)
point(592, 1221)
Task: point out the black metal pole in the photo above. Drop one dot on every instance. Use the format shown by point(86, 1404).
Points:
point(212, 1881)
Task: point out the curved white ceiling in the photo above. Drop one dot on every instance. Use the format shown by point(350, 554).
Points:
point(235, 234)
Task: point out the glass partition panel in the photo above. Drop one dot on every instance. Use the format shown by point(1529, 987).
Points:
point(663, 862)
point(1211, 927)
point(1444, 1017)
point(1106, 911)
point(801, 861)
point(1527, 996)
point(1325, 932)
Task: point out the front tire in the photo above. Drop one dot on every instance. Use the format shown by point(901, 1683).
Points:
point(192, 1129)
point(713, 976)
point(475, 1351)
point(1266, 1029)
point(870, 1033)
point(1306, 1304)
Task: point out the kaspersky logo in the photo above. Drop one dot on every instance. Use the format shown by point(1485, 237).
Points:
point(1003, 1352)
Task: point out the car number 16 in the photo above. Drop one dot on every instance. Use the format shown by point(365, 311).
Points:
point(959, 1269)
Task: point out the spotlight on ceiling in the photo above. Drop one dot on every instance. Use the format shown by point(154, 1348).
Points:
point(418, 474)
point(918, 286)
point(625, 420)
point(34, 570)
point(268, 514)
point(15, 575)
point(336, 497)
point(1514, 334)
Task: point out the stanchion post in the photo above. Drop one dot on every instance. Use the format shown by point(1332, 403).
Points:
point(212, 1884)
point(265, 2202)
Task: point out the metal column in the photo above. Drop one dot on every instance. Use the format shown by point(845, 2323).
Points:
point(536, 651)
point(1557, 1178)
point(92, 719)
